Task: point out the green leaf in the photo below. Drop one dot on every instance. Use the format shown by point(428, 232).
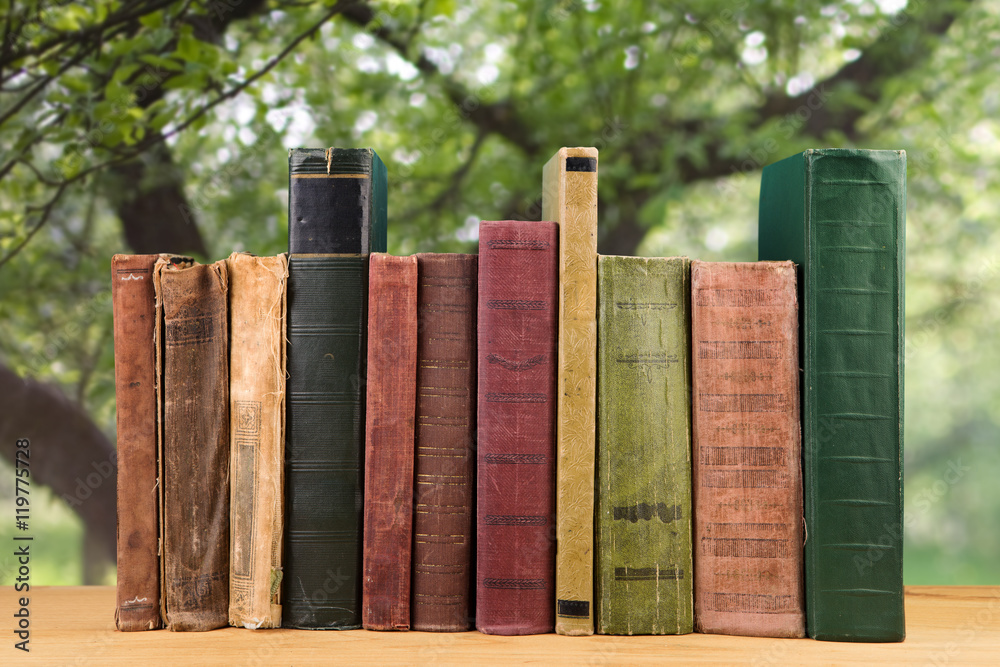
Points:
point(188, 48)
point(193, 80)
point(65, 19)
point(161, 62)
point(442, 8)
point(152, 20)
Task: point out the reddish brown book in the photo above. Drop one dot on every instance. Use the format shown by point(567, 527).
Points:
point(195, 443)
point(133, 302)
point(518, 309)
point(392, 384)
point(445, 442)
point(746, 450)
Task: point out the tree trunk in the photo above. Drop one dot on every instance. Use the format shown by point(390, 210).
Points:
point(68, 453)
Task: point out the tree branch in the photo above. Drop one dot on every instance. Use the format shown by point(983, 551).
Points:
point(44, 211)
point(494, 118)
point(898, 50)
point(906, 41)
point(123, 16)
point(178, 233)
point(455, 182)
point(813, 113)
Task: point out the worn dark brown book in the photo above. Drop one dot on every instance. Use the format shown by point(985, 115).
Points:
point(518, 309)
point(390, 411)
point(195, 443)
point(133, 302)
point(746, 450)
point(445, 442)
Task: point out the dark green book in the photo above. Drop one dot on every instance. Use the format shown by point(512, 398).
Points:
point(840, 215)
point(644, 582)
point(336, 201)
point(337, 215)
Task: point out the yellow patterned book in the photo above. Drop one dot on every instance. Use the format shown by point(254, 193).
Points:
point(569, 197)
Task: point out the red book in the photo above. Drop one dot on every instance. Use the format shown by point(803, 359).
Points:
point(746, 450)
point(518, 309)
point(391, 406)
point(445, 442)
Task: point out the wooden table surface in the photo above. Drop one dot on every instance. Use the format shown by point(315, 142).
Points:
point(945, 625)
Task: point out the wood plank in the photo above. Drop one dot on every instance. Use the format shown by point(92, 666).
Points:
point(75, 625)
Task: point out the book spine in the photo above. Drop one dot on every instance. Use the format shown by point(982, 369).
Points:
point(746, 450)
point(444, 442)
point(840, 214)
point(159, 336)
point(515, 551)
point(195, 449)
point(133, 301)
point(569, 197)
point(392, 384)
point(325, 416)
point(257, 436)
point(336, 201)
point(854, 376)
point(644, 559)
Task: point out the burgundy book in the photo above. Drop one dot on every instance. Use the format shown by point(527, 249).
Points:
point(445, 442)
point(392, 385)
point(746, 450)
point(138, 599)
point(518, 308)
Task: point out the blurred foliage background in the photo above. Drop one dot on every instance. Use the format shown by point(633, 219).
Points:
point(161, 125)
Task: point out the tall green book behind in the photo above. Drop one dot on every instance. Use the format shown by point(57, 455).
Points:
point(840, 215)
point(644, 558)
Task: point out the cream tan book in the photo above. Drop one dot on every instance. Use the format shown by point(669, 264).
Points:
point(569, 197)
point(257, 288)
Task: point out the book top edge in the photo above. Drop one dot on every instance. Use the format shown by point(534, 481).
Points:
point(445, 255)
point(247, 253)
point(876, 155)
point(586, 152)
point(331, 161)
point(130, 257)
point(860, 152)
point(518, 223)
point(635, 258)
point(384, 257)
point(306, 256)
point(761, 264)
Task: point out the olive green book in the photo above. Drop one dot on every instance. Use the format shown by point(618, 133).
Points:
point(644, 558)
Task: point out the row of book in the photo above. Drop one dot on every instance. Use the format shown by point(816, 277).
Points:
point(433, 444)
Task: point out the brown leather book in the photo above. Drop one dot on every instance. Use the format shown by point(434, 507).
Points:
point(257, 436)
point(518, 311)
point(390, 410)
point(133, 302)
point(746, 450)
point(194, 454)
point(445, 442)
